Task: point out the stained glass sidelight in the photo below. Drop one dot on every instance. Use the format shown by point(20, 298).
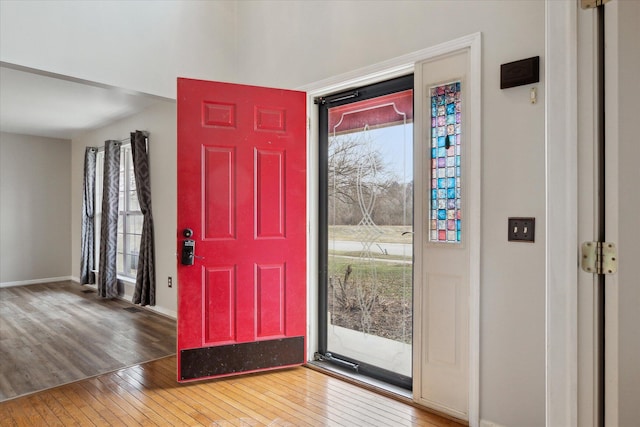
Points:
point(445, 217)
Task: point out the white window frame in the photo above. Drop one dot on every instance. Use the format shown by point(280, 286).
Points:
point(127, 186)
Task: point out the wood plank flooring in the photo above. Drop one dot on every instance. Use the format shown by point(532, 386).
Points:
point(53, 333)
point(148, 394)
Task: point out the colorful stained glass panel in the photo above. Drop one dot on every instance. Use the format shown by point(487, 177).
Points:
point(446, 139)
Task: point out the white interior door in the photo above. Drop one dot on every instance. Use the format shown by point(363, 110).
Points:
point(622, 201)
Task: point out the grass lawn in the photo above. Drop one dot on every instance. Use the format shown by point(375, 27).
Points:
point(390, 233)
point(393, 281)
point(377, 298)
point(378, 293)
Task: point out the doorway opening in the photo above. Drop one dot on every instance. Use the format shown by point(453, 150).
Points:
point(366, 230)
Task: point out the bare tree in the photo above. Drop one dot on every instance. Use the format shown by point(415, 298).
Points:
point(395, 204)
point(354, 165)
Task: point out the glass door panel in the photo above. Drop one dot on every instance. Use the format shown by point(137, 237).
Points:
point(369, 233)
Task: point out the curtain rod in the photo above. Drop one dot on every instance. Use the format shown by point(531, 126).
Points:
point(101, 147)
point(122, 141)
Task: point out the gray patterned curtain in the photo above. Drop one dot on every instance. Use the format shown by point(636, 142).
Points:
point(87, 231)
point(145, 292)
point(108, 277)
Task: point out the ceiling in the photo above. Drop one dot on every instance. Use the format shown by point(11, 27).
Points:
point(42, 104)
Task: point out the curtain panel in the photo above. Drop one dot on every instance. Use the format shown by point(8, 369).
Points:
point(87, 231)
point(145, 291)
point(108, 277)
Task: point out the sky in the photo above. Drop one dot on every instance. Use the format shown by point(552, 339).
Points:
point(395, 143)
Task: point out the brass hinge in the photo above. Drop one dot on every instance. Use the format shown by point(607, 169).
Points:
point(590, 4)
point(599, 257)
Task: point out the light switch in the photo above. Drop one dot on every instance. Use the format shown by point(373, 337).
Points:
point(521, 229)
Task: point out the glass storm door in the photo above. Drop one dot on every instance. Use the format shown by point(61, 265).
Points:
point(366, 241)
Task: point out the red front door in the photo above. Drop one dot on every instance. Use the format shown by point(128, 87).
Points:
point(242, 192)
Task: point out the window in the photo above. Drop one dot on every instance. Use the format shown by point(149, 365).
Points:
point(129, 215)
point(445, 219)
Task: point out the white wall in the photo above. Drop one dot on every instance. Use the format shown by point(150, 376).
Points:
point(155, 41)
point(35, 215)
point(160, 121)
point(291, 44)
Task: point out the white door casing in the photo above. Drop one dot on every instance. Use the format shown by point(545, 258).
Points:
point(560, 70)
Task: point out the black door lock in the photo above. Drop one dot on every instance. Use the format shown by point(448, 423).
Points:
point(188, 248)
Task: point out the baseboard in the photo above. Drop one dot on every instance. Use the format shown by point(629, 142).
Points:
point(161, 310)
point(35, 281)
point(155, 308)
point(129, 288)
point(485, 423)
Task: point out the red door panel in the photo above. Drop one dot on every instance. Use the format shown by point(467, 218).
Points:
point(242, 190)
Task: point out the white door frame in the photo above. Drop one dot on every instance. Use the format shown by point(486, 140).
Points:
point(589, 297)
point(396, 67)
point(599, 382)
point(612, 230)
point(561, 73)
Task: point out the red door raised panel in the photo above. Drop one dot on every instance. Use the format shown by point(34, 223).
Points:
point(242, 190)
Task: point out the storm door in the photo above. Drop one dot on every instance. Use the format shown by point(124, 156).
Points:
point(366, 230)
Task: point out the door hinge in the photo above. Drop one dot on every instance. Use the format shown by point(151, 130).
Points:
point(599, 257)
point(590, 4)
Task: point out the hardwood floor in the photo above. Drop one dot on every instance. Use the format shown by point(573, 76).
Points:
point(54, 333)
point(148, 394)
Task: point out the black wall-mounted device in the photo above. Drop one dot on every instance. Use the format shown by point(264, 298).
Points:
point(518, 73)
